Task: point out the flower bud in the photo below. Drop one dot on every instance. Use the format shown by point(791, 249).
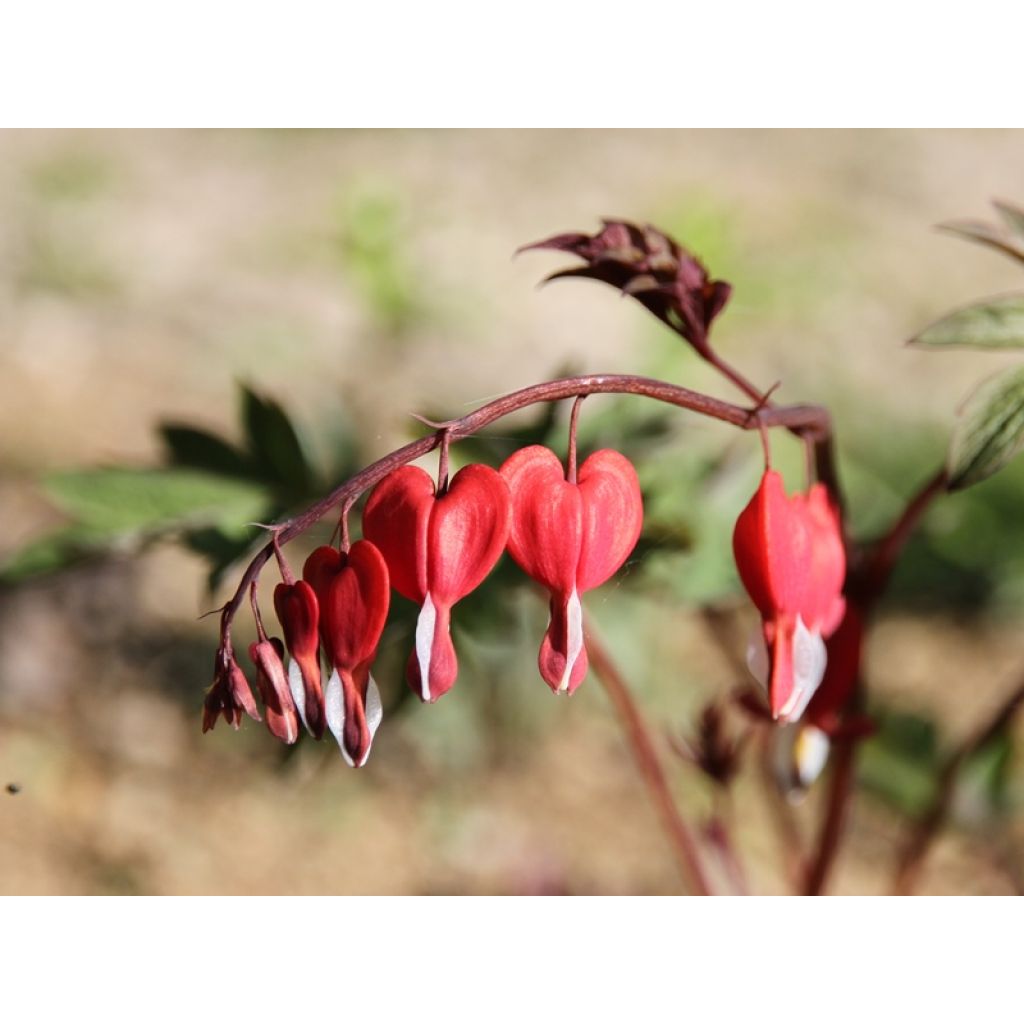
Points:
point(278, 706)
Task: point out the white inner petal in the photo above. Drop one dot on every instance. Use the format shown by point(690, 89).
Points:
point(810, 752)
point(757, 658)
point(425, 643)
point(298, 690)
point(374, 713)
point(334, 711)
point(809, 660)
point(574, 629)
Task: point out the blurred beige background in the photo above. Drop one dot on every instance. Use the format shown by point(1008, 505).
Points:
point(143, 273)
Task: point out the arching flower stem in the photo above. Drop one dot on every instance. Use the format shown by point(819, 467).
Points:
point(809, 421)
point(574, 417)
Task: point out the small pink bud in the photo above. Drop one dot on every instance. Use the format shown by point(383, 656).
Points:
point(299, 614)
point(229, 695)
point(278, 706)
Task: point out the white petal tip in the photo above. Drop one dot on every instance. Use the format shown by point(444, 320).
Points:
point(574, 639)
point(297, 688)
point(425, 624)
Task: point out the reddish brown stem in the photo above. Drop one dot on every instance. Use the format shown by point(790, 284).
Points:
point(840, 787)
point(885, 552)
point(574, 419)
point(868, 580)
point(684, 844)
point(807, 420)
point(822, 449)
point(912, 858)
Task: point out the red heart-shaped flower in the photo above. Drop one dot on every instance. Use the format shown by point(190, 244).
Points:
point(438, 549)
point(570, 537)
point(353, 593)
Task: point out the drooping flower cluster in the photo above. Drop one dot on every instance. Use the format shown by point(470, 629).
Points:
point(791, 558)
point(433, 548)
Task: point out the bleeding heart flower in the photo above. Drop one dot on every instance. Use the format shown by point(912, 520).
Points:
point(299, 614)
point(229, 695)
point(282, 718)
point(353, 594)
point(437, 548)
point(791, 559)
point(827, 706)
point(570, 538)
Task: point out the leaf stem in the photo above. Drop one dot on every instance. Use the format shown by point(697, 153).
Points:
point(912, 857)
point(684, 845)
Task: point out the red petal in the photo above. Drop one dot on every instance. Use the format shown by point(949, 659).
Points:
point(546, 535)
point(356, 607)
point(468, 530)
point(772, 548)
point(613, 516)
point(562, 644)
point(395, 519)
point(281, 716)
point(823, 604)
point(320, 569)
point(572, 536)
point(241, 695)
point(435, 650)
point(841, 674)
point(299, 614)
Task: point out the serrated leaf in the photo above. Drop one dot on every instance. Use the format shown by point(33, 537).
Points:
point(990, 430)
point(994, 323)
point(274, 444)
point(198, 449)
point(116, 501)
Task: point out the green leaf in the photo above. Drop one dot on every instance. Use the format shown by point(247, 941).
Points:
point(901, 762)
point(199, 449)
point(995, 323)
point(1013, 217)
point(990, 429)
point(984, 782)
point(49, 553)
point(987, 234)
point(117, 501)
point(220, 547)
point(274, 444)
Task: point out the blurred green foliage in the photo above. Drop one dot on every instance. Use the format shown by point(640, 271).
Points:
point(208, 494)
point(71, 175)
point(372, 244)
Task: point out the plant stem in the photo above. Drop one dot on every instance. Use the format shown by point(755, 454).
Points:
point(679, 834)
point(911, 860)
point(840, 788)
point(884, 554)
point(808, 420)
point(574, 418)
